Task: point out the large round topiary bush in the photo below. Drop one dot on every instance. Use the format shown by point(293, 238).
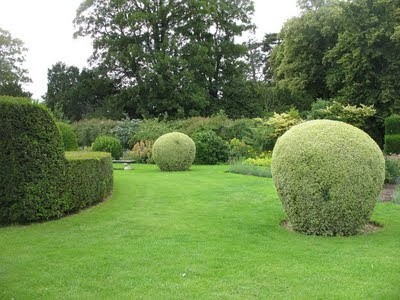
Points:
point(328, 175)
point(174, 151)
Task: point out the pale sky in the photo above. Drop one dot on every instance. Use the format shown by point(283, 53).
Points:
point(45, 26)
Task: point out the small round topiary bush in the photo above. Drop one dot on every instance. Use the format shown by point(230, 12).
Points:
point(68, 136)
point(108, 144)
point(328, 175)
point(174, 151)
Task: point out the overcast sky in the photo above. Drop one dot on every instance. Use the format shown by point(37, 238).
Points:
point(46, 28)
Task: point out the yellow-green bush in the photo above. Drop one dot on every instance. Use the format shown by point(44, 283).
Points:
point(328, 175)
point(174, 151)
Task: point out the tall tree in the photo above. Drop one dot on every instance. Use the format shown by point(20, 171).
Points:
point(77, 94)
point(12, 73)
point(169, 56)
point(298, 62)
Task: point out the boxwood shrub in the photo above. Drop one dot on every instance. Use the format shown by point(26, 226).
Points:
point(31, 160)
point(210, 148)
point(68, 136)
point(174, 151)
point(88, 179)
point(328, 175)
point(108, 144)
point(392, 124)
point(392, 143)
point(36, 181)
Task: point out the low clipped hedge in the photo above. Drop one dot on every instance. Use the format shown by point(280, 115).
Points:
point(36, 181)
point(328, 175)
point(68, 137)
point(88, 179)
point(174, 151)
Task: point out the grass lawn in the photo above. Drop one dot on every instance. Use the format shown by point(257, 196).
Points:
point(203, 234)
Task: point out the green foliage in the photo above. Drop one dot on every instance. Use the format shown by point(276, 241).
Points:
point(88, 130)
point(348, 51)
point(210, 148)
point(260, 136)
point(392, 168)
point(283, 122)
point(108, 144)
point(194, 59)
point(142, 152)
point(124, 130)
point(68, 136)
point(36, 182)
point(392, 124)
point(328, 175)
point(262, 160)
point(239, 150)
point(392, 143)
point(79, 94)
point(351, 114)
point(12, 58)
point(31, 162)
point(239, 167)
point(151, 130)
point(174, 151)
point(88, 179)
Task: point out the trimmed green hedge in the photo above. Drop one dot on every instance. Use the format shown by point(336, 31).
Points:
point(68, 137)
point(392, 124)
point(328, 175)
point(31, 160)
point(36, 181)
point(392, 143)
point(88, 179)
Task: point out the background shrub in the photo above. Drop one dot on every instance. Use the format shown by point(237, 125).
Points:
point(392, 124)
point(174, 151)
point(328, 175)
point(125, 130)
point(392, 143)
point(151, 129)
point(108, 144)
point(31, 160)
point(392, 170)
point(239, 150)
point(68, 136)
point(142, 152)
point(88, 130)
point(210, 148)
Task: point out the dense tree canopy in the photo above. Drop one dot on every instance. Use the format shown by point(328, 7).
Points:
point(73, 94)
point(170, 56)
point(12, 73)
point(347, 51)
